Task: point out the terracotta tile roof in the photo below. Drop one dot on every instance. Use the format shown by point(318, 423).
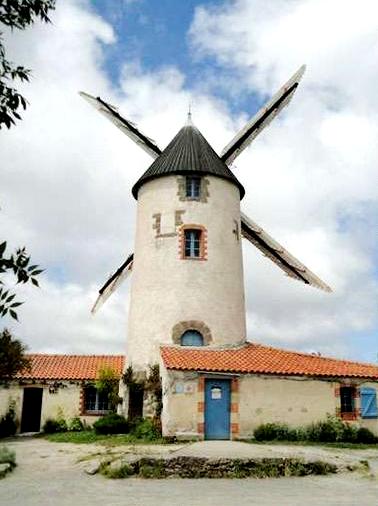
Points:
point(259, 359)
point(70, 367)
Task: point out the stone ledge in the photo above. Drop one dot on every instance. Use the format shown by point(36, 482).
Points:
point(202, 467)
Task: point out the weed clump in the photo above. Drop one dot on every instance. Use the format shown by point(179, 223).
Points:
point(7, 461)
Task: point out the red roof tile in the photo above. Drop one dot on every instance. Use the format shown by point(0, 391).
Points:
point(259, 359)
point(70, 367)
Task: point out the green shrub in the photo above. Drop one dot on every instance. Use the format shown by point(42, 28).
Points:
point(366, 436)
point(329, 431)
point(75, 425)
point(111, 424)
point(52, 426)
point(272, 431)
point(8, 422)
point(350, 433)
point(146, 429)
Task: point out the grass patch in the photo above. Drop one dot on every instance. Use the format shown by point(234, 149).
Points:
point(88, 436)
point(154, 471)
point(117, 473)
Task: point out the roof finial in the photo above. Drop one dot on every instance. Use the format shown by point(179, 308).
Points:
point(189, 118)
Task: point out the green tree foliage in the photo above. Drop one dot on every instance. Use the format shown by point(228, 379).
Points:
point(19, 264)
point(12, 356)
point(16, 14)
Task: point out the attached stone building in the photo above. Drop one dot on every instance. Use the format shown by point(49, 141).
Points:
point(226, 393)
point(58, 386)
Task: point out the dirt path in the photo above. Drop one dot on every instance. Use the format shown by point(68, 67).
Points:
point(49, 474)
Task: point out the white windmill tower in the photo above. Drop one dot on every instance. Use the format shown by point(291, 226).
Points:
point(187, 284)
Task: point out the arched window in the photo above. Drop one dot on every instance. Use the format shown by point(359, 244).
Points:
point(191, 338)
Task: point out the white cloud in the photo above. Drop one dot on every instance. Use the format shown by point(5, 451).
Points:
point(67, 175)
point(310, 179)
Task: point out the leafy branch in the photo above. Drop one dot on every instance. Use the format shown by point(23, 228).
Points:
point(17, 14)
point(17, 263)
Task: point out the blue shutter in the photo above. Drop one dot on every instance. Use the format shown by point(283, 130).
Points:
point(368, 403)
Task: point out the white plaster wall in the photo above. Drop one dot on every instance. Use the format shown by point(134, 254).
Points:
point(65, 402)
point(166, 289)
point(180, 414)
point(297, 402)
point(293, 401)
point(10, 394)
point(261, 399)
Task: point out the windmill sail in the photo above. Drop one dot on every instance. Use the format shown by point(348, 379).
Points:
point(123, 124)
point(275, 252)
point(113, 282)
point(262, 119)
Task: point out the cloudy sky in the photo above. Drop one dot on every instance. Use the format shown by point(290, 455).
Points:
point(311, 177)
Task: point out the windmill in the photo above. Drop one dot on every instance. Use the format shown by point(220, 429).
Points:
point(190, 156)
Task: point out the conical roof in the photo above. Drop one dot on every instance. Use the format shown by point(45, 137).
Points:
point(188, 153)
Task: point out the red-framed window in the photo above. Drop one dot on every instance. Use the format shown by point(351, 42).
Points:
point(193, 242)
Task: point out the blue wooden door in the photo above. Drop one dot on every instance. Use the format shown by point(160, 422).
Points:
point(217, 409)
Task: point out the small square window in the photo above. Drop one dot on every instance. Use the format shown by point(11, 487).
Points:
point(95, 400)
point(193, 187)
point(192, 243)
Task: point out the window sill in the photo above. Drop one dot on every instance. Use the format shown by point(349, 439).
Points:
point(95, 413)
point(353, 415)
point(193, 258)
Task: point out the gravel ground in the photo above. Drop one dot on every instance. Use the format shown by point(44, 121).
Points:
point(50, 474)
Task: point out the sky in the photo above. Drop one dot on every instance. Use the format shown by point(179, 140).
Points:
point(310, 177)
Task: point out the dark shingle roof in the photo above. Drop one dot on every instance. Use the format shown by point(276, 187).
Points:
point(188, 153)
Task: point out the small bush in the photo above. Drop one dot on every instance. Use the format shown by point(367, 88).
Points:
point(146, 429)
point(52, 426)
point(272, 431)
point(366, 436)
point(75, 425)
point(111, 424)
point(8, 422)
point(350, 433)
point(331, 430)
